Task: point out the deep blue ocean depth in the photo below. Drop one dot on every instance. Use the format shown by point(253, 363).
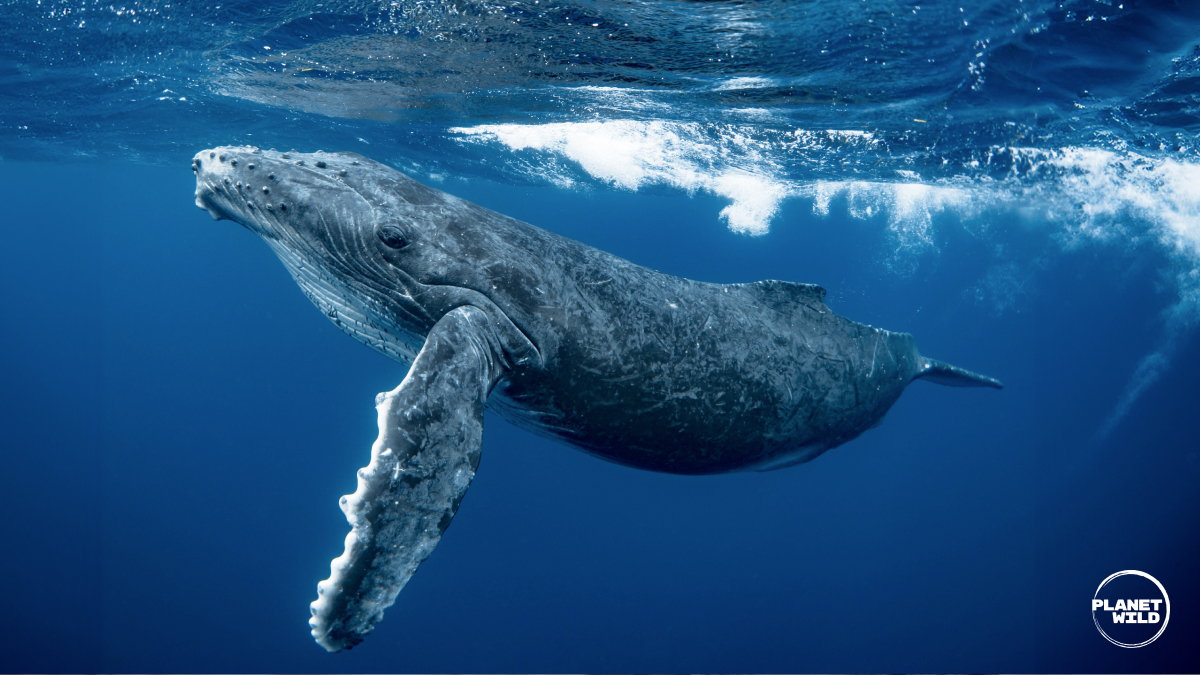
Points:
point(178, 422)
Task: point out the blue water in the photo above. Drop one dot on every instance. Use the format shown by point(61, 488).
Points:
point(1015, 183)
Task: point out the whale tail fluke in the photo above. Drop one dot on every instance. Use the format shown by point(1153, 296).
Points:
point(953, 376)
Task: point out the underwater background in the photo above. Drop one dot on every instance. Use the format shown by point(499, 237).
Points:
point(1016, 183)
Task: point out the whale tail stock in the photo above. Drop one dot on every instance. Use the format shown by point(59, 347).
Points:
point(953, 376)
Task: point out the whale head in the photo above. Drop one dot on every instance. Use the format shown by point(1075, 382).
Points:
point(342, 225)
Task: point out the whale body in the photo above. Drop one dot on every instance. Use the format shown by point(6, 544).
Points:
point(626, 363)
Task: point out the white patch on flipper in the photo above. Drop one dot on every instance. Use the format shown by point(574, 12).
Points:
point(382, 460)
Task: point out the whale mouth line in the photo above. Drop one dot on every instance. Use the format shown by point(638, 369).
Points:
point(205, 202)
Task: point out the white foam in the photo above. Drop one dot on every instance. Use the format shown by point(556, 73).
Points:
point(718, 159)
point(745, 83)
point(1110, 189)
point(742, 163)
point(909, 210)
point(1094, 193)
point(754, 200)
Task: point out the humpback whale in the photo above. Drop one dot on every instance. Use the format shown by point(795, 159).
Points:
point(623, 362)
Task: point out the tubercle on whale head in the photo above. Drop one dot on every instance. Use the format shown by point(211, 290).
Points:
point(371, 247)
point(325, 201)
point(345, 194)
point(328, 221)
point(257, 188)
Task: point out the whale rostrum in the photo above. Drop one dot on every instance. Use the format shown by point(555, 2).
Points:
point(626, 363)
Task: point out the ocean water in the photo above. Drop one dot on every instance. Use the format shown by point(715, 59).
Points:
point(1016, 183)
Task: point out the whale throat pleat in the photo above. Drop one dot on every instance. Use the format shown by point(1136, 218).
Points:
point(347, 308)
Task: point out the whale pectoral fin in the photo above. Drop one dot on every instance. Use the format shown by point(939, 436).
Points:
point(430, 432)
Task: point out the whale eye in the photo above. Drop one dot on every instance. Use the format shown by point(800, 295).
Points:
point(392, 237)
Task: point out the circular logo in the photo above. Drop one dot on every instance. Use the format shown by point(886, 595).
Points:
point(1131, 609)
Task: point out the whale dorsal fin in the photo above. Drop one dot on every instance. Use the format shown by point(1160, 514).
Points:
point(785, 295)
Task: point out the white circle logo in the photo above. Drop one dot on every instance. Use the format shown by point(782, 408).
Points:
point(1131, 609)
